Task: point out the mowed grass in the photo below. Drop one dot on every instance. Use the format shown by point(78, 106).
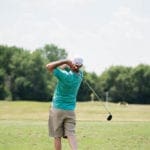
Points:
point(23, 126)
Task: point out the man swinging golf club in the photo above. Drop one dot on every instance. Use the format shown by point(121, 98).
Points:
point(62, 116)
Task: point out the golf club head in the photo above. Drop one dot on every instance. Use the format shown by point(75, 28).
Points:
point(109, 117)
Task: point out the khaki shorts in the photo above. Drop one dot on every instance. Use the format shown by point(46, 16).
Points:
point(61, 123)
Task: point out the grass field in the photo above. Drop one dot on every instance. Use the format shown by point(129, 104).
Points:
point(23, 126)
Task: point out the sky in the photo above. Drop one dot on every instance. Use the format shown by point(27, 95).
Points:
point(103, 32)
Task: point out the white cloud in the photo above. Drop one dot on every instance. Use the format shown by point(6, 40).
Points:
point(126, 24)
point(74, 1)
point(122, 39)
point(125, 36)
point(120, 42)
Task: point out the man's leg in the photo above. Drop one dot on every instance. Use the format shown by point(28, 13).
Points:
point(73, 142)
point(57, 143)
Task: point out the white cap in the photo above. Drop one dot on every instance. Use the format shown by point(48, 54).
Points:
point(78, 61)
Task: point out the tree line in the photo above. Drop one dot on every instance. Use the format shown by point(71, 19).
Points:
point(23, 76)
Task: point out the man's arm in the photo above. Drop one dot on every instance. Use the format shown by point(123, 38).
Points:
point(51, 66)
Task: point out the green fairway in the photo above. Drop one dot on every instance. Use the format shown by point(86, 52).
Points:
point(23, 126)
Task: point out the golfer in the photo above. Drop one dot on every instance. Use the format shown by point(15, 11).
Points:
point(62, 116)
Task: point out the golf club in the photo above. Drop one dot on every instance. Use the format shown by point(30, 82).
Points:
point(110, 115)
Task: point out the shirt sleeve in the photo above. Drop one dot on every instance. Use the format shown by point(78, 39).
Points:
point(60, 74)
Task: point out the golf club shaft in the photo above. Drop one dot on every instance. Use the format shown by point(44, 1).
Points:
point(96, 95)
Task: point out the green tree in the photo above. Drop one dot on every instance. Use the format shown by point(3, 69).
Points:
point(19, 71)
point(2, 84)
point(85, 92)
point(6, 55)
point(23, 75)
point(116, 80)
point(29, 79)
point(52, 53)
point(141, 84)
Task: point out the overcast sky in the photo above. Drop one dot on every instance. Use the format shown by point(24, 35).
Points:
point(103, 32)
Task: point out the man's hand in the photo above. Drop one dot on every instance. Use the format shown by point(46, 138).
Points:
point(69, 63)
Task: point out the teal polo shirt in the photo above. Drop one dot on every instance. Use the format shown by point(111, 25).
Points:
point(66, 89)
